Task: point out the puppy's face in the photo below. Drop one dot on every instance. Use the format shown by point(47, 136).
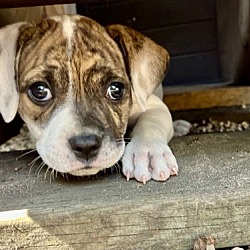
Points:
point(75, 83)
point(75, 94)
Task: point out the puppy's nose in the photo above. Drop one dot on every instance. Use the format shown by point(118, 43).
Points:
point(85, 146)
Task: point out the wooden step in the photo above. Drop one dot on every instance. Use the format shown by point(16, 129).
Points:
point(210, 98)
point(211, 196)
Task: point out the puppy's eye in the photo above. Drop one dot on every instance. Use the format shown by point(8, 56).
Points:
point(115, 91)
point(40, 93)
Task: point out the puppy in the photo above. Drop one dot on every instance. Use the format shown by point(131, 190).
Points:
point(79, 87)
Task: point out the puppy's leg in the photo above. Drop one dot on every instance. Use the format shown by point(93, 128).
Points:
point(148, 154)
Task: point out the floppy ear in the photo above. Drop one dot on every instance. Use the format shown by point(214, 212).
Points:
point(9, 97)
point(146, 61)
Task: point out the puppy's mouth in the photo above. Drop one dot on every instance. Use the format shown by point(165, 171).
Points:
point(88, 170)
point(99, 163)
point(88, 167)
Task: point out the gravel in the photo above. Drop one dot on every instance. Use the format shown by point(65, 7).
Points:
point(22, 141)
point(211, 126)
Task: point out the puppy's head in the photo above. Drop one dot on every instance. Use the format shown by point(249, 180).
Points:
point(74, 83)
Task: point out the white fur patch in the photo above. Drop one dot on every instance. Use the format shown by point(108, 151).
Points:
point(53, 146)
point(68, 29)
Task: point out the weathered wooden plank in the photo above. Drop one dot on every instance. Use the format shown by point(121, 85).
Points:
point(193, 69)
point(210, 98)
point(146, 15)
point(164, 13)
point(210, 196)
point(186, 38)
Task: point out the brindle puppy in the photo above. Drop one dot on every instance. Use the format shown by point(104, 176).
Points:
point(79, 86)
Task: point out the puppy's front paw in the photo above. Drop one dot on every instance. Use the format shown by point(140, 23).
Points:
point(148, 158)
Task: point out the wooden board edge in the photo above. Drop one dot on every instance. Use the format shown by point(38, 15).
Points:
point(212, 98)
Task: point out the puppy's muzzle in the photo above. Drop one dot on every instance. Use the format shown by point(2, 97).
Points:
point(85, 146)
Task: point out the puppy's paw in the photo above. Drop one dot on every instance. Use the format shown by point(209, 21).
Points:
point(146, 159)
point(181, 127)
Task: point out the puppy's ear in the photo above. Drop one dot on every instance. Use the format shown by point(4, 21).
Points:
point(9, 97)
point(146, 61)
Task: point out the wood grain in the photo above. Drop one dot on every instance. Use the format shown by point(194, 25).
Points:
point(211, 196)
point(212, 98)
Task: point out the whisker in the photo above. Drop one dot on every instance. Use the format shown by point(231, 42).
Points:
point(26, 153)
point(122, 140)
point(34, 160)
point(32, 163)
point(46, 172)
point(119, 139)
point(104, 171)
point(52, 173)
point(127, 138)
point(66, 176)
point(51, 176)
point(39, 169)
point(118, 167)
point(56, 174)
point(112, 169)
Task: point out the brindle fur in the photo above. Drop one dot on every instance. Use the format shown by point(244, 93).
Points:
point(44, 47)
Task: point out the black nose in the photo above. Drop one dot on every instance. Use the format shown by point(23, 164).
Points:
point(85, 146)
